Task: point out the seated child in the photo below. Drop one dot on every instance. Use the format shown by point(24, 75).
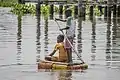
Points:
point(62, 52)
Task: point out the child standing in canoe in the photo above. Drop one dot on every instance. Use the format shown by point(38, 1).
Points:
point(70, 32)
point(62, 51)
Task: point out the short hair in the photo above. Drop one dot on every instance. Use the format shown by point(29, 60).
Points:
point(68, 12)
point(60, 37)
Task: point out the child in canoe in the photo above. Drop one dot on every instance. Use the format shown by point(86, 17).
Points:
point(62, 51)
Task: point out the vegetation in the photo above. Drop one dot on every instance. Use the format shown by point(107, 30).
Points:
point(23, 9)
point(13, 1)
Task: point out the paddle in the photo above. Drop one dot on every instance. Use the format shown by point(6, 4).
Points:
point(70, 43)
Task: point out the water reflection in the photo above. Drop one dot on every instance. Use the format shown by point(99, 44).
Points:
point(38, 34)
point(65, 75)
point(93, 39)
point(114, 46)
point(112, 49)
point(79, 36)
point(46, 36)
point(108, 42)
point(115, 38)
point(19, 41)
point(107, 38)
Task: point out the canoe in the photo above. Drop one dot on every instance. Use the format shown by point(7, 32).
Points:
point(60, 65)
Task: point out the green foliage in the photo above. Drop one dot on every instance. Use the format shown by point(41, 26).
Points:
point(6, 4)
point(13, 1)
point(56, 9)
point(23, 9)
point(96, 10)
point(45, 10)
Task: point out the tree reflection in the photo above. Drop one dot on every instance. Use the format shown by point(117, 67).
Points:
point(38, 34)
point(93, 39)
point(19, 41)
point(79, 36)
point(46, 35)
point(115, 42)
point(65, 75)
point(108, 44)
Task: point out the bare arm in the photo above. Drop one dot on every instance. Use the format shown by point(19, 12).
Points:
point(65, 28)
point(63, 20)
point(51, 54)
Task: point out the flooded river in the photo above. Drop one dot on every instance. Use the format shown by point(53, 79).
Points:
point(26, 40)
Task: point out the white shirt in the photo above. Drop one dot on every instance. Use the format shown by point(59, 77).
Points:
point(71, 24)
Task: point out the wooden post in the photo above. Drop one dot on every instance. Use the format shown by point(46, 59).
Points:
point(114, 8)
point(100, 8)
point(61, 9)
point(84, 12)
point(91, 10)
point(91, 13)
point(109, 9)
point(38, 5)
point(79, 14)
point(75, 11)
point(51, 9)
point(79, 8)
point(118, 11)
point(105, 10)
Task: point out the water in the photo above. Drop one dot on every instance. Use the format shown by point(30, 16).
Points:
point(25, 40)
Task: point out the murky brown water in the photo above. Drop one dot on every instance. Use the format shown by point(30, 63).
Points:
point(25, 40)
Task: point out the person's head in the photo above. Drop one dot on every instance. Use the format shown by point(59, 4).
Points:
point(60, 38)
point(68, 12)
